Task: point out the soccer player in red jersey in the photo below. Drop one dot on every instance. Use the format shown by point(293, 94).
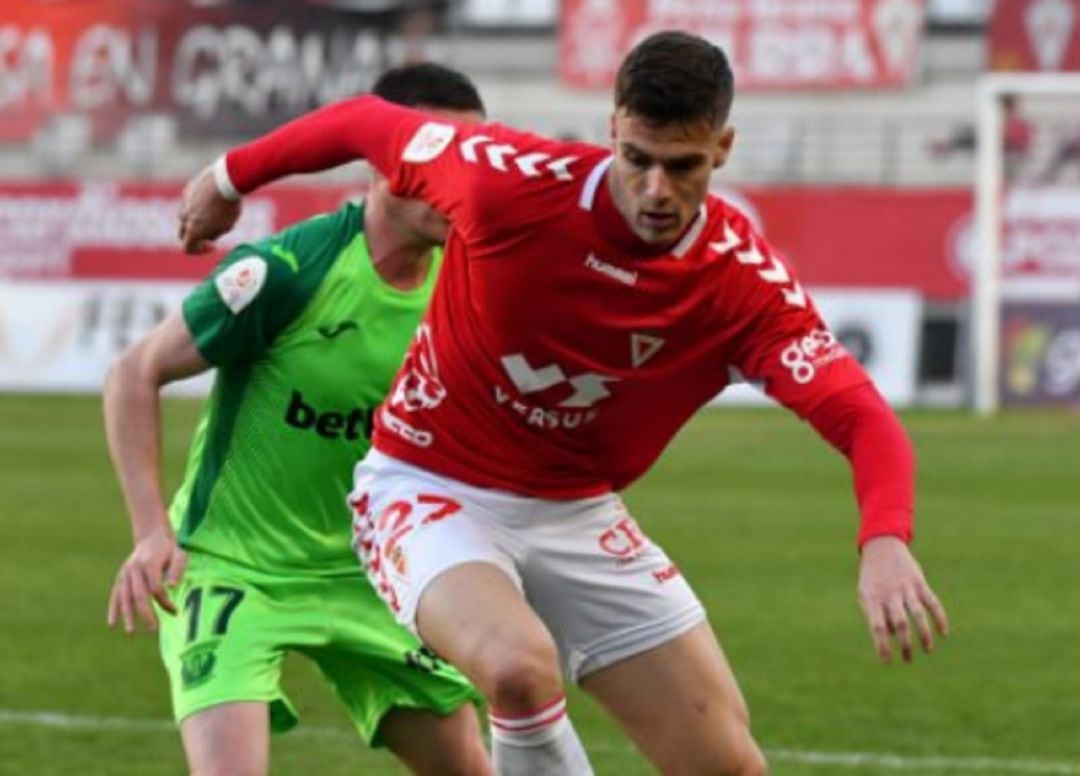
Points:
point(591, 300)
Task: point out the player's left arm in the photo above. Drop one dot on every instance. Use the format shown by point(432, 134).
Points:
point(803, 366)
point(893, 590)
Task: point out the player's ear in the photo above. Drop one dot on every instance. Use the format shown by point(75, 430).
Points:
point(611, 127)
point(725, 140)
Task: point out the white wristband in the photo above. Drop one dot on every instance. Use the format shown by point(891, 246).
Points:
point(223, 182)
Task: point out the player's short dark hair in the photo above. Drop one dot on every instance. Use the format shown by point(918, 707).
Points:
point(430, 85)
point(674, 77)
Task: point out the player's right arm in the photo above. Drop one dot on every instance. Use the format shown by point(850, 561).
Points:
point(400, 142)
point(133, 429)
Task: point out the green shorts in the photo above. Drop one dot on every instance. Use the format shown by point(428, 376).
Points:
point(234, 626)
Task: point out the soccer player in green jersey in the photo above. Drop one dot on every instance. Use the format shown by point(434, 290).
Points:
point(253, 558)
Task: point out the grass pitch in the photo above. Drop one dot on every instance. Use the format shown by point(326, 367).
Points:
point(754, 508)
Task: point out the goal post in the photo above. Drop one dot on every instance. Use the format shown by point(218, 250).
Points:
point(989, 218)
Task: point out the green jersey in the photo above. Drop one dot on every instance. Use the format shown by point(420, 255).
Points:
point(307, 339)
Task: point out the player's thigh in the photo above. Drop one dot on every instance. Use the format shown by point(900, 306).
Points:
point(605, 590)
point(231, 739)
point(430, 743)
point(377, 668)
point(428, 539)
point(681, 705)
point(410, 527)
point(436, 557)
point(225, 644)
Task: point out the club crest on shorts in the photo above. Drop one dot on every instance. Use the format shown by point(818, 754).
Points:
point(197, 665)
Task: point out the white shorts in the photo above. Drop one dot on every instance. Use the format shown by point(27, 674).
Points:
point(604, 590)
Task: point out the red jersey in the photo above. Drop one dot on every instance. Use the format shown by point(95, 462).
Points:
point(560, 353)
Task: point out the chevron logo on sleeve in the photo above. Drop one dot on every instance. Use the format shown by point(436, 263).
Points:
point(482, 149)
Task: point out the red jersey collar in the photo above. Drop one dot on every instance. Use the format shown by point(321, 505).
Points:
point(596, 197)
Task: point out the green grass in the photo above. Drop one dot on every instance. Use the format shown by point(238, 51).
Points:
point(755, 509)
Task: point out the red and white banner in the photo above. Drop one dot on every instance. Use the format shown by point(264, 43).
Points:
point(792, 44)
point(1038, 35)
point(100, 230)
point(875, 238)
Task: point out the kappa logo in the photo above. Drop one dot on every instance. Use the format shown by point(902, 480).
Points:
point(429, 141)
point(481, 148)
point(332, 331)
point(287, 256)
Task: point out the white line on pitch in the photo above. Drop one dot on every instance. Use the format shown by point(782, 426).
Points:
point(896, 762)
point(879, 760)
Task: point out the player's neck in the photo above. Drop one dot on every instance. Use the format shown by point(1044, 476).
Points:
point(402, 259)
point(613, 225)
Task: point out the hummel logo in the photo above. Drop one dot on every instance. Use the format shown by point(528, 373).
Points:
point(332, 331)
point(629, 277)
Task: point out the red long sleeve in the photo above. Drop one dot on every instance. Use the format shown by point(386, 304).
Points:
point(358, 128)
point(861, 425)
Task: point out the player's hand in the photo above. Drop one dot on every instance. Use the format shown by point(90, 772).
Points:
point(204, 214)
point(156, 563)
point(896, 598)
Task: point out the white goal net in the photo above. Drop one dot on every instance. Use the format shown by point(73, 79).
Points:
point(1025, 316)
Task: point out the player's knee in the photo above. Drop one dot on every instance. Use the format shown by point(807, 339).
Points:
point(746, 758)
point(742, 760)
point(752, 763)
point(522, 676)
point(743, 757)
point(729, 750)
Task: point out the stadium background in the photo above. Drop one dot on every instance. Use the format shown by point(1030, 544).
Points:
point(855, 155)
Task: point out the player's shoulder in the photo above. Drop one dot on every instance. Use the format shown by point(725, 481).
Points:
point(732, 233)
point(753, 267)
point(289, 263)
point(321, 236)
point(501, 152)
point(731, 221)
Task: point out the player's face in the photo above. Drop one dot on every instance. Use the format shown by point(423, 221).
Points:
point(414, 215)
point(660, 175)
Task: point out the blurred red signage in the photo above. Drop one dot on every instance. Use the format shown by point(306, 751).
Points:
point(218, 69)
point(1035, 35)
point(843, 237)
point(792, 44)
point(108, 230)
